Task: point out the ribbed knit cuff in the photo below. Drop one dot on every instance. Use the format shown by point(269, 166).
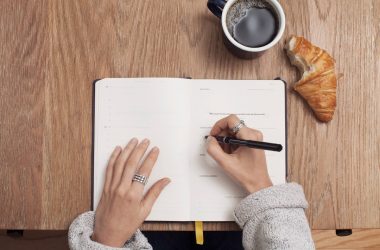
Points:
point(281, 196)
point(82, 227)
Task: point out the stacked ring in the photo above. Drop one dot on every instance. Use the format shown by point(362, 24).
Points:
point(237, 127)
point(140, 178)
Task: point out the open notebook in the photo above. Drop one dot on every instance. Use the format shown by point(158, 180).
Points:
point(176, 114)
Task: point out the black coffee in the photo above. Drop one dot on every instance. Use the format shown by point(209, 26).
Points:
point(252, 23)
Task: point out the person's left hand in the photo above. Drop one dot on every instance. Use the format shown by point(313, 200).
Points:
point(123, 207)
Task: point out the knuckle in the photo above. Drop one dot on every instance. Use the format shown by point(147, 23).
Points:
point(127, 150)
point(156, 193)
point(138, 148)
point(131, 196)
point(143, 145)
point(118, 163)
point(106, 191)
point(110, 165)
point(120, 192)
point(152, 156)
point(259, 135)
point(115, 154)
point(112, 189)
point(148, 210)
point(232, 117)
point(134, 142)
point(131, 162)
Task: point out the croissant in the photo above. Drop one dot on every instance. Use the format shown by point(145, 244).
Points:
point(319, 81)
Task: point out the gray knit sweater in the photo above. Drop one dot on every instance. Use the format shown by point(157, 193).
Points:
point(272, 218)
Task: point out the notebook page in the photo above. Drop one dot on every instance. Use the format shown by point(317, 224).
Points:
point(261, 104)
point(154, 108)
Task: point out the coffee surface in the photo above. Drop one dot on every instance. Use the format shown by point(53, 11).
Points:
point(252, 23)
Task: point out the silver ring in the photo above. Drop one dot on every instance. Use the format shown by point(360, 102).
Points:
point(140, 178)
point(237, 127)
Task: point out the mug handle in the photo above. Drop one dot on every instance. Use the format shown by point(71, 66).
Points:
point(216, 7)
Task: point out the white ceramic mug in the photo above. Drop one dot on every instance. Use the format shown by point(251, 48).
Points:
point(220, 9)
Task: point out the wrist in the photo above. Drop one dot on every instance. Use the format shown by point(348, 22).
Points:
point(107, 241)
point(254, 187)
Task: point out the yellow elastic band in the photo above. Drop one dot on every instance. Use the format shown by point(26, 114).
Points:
point(199, 232)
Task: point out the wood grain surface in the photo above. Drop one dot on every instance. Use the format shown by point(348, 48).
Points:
point(359, 239)
point(368, 239)
point(52, 51)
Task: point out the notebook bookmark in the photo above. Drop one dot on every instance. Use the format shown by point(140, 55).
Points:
point(199, 232)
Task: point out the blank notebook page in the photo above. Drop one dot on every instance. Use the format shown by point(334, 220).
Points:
point(176, 114)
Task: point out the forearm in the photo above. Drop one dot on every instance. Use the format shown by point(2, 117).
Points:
point(274, 218)
point(81, 229)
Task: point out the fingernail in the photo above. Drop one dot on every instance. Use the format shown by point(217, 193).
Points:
point(154, 149)
point(209, 138)
point(145, 141)
point(167, 181)
point(133, 140)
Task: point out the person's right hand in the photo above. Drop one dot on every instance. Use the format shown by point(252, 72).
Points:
point(245, 165)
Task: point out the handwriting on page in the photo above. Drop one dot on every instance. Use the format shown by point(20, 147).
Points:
point(261, 107)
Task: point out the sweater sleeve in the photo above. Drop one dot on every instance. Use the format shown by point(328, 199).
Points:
point(274, 218)
point(81, 229)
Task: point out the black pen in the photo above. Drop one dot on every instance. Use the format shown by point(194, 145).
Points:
point(248, 143)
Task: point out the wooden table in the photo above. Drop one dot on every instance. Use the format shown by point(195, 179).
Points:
point(51, 51)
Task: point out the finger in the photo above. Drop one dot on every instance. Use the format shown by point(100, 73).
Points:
point(227, 123)
point(120, 162)
point(226, 147)
point(146, 168)
point(250, 134)
point(115, 154)
point(257, 135)
point(224, 124)
point(216, 151)
point(132, 163)
point(152, 195)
